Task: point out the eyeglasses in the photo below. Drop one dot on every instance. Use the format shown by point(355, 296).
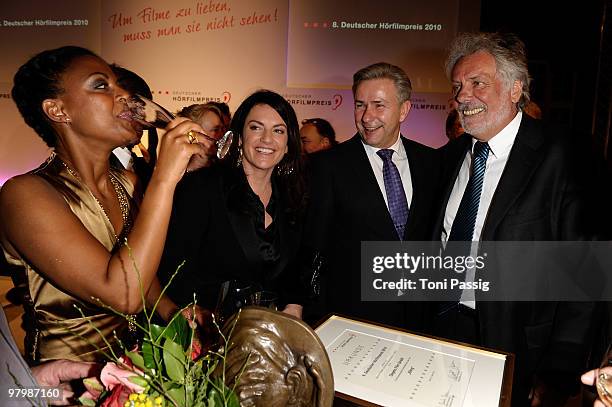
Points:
point(310, 121)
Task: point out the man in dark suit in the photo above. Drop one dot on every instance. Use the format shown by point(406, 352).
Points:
point(510, 178)
point(377, 186)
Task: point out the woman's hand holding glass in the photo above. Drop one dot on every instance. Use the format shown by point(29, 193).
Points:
point(178, 146)
point(151, 114)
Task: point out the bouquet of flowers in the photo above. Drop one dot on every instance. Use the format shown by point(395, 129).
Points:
point(168, 369)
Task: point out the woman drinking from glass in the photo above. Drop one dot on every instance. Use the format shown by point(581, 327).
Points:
point(66, 223)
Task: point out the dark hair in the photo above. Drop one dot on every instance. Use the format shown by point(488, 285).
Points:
point(324, 128)
point(507, 49)
point(131, 81)
point(384, 70)
point(290, 171)
point(39, 79)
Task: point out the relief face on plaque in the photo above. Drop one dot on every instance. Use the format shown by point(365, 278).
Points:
point(284, 362)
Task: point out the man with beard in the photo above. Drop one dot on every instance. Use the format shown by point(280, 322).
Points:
point(511, 178)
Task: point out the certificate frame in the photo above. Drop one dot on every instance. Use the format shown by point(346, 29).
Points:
point(488, 373)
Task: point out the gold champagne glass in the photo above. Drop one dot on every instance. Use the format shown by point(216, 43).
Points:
point(150, 114)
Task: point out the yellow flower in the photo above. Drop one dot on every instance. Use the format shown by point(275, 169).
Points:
point(133, 397)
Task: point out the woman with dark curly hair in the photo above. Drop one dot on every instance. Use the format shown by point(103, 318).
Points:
point(66, 223)
point(241, 220)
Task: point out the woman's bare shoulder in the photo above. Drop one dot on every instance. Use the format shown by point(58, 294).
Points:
point(25, 185)
point(27, 191)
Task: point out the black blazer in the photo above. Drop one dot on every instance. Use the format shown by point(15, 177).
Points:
point(348, 207)
point(541, 196)
point(210, 231)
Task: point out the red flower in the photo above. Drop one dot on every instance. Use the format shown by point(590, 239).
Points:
point(118, 396)
point(113, 375)
point(196, 348)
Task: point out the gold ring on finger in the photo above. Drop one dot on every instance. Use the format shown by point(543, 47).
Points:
point(191, 137)
point(602, 382)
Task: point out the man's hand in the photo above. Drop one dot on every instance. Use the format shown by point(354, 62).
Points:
point(294, 309)
point(589, 379)
point(59, 373)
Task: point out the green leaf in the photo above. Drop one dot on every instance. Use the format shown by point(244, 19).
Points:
point(174, 360)
point(196, 370)
point(87, 401)
point(214, 398)
point(153, 394)
point(233, 400)
point(179, 331)
point(139, 380)
point(156, 332)
point(150, 353)
point(136, 359)
point(178, 395)
point(147, 355)
point(93, 384)
point(170, 385)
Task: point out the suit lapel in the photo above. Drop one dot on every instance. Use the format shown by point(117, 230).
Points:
point(366, 186)
point(453, 159)
point(523, 161)
point(415, 177)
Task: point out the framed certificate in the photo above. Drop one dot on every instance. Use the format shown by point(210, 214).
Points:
point(377, 365)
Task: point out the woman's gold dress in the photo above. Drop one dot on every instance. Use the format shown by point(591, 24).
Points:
point(55, 328)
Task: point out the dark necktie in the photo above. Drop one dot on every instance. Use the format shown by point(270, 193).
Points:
point(396, 197)
point(463, 225)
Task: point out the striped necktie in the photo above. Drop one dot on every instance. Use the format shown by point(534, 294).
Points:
point(463, 225)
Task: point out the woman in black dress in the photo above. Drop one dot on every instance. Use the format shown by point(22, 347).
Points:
point(241, 219)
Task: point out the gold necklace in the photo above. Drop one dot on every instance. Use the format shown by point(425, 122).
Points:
point(125, 216)
point(121, 196)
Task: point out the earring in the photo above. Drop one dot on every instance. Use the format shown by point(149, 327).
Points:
point(284, 168)
point(239, 159)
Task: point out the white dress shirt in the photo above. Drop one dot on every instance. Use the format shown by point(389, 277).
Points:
point(124, 156)
point(499, 150)
point(400, 159)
